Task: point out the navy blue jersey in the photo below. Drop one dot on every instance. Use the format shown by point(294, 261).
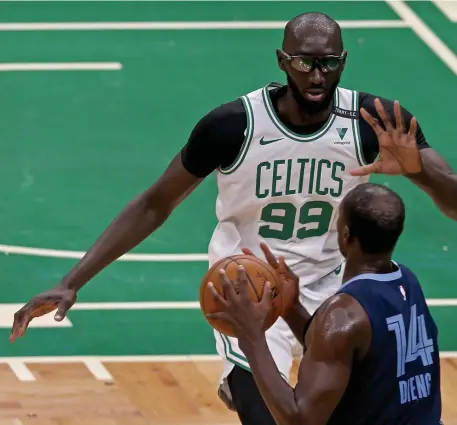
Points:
point(398, 381)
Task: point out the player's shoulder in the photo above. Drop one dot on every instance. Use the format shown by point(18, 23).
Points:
point(228, 111)
point(341, 311)
point(341, 319)
point(366, 100)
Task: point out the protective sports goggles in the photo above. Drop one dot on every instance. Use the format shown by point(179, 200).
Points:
point(305, 63)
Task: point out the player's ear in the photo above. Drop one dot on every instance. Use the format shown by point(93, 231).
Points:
point(343, 64)
point(280, 60)
point(346, 234)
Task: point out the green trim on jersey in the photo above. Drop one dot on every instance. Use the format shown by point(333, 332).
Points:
point(235, 358)
point(356, 130)
point(247, 138)
point(290, 134)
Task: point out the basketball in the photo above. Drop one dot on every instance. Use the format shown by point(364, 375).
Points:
point(258, 272)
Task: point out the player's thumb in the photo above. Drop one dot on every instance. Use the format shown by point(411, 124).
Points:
point(62, 309)
point(365, 170)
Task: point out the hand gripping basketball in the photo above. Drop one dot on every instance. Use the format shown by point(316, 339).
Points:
point(289, 280)
point(255, 273)
point(238, 309)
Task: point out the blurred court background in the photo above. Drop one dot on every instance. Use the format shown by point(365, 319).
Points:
point(96, 99)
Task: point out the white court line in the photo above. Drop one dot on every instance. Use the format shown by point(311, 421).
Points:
point(175, 305)
point(61, 66)
point(142, 305)
point(209, 25)
point(21, 370)
point(97, 369)
point(448, 8)
point(56, 253)
point(425, 33)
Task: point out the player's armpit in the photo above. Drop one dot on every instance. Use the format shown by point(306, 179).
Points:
point(439, 181)
point(339, 333)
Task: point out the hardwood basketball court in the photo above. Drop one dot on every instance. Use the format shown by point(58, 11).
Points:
point(161, 393)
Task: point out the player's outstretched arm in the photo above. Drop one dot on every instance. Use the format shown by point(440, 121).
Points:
point(215, 141)
point(339, 332)
point(139, 219)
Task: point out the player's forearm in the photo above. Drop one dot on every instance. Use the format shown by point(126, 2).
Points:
point(136, 222)
point(297, 319)
point(440, 183)
point(277, 393)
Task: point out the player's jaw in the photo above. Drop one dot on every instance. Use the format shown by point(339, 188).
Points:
point(312, 98)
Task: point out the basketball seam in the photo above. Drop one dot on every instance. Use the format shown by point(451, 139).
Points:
point(250, 281)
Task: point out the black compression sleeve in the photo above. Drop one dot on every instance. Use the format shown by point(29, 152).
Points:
point(368, 136)
point(216, 139)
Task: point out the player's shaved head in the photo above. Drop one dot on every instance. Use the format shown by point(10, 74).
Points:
point(312, 25)
point(375, 216)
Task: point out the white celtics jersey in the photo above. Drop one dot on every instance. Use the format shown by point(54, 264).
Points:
point(285, 189)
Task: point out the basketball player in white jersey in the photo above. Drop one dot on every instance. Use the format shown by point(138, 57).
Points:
point(285, 156)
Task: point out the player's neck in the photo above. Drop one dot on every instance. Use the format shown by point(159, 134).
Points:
point(290, 109)
point(362, 264)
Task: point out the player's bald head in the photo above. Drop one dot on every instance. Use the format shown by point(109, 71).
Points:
point(375, 216)
point(311, 29)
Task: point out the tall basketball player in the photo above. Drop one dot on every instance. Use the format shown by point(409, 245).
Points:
point(371, 351)
point(285, 156)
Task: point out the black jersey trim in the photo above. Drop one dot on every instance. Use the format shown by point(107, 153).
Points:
point(247, 139)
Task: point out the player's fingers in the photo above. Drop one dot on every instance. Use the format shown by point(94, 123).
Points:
point(266, 296)
point(247, 251)
point(271, 260)
point(221, 315)
point(228, 287)
point(412, 128)
point(283, 265)
point(242, 281)
point(374, 124)
point(366, 169)
point(21, 320)
point(399, 122)
point(216, 296)
point(383, 115)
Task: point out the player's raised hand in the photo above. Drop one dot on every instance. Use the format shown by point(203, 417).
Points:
point(60, 298)
point(398, 151)
point(289, 279)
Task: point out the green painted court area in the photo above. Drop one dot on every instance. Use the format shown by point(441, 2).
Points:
point(78, 145)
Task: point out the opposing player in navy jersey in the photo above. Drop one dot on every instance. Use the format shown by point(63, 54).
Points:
point(371, 354)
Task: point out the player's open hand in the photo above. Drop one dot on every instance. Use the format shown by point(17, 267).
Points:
point(398, 151)
point(289, 279)
point(60, 298)
point(237, 308)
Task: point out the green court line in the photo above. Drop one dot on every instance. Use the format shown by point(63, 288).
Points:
point(186, 10)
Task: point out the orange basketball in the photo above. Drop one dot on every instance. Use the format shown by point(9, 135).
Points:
point(258, 272)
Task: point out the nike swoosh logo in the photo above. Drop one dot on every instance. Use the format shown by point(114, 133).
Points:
point(267, 142)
